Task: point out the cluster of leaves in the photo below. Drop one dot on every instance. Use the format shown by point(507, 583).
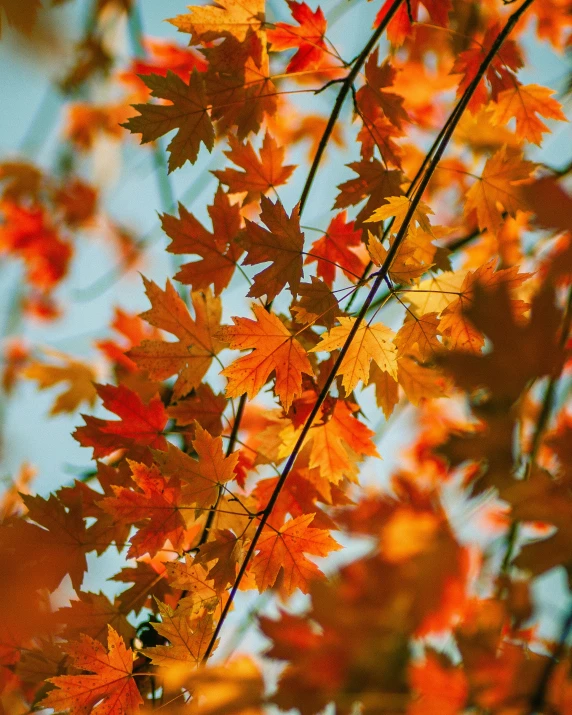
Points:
point(223, 472)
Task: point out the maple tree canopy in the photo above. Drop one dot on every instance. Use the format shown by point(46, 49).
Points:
point(326, 466)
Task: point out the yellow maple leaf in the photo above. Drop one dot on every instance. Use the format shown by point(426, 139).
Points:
point(80, 379)
point(371, 342)
point(209, 22)
point(397, 207)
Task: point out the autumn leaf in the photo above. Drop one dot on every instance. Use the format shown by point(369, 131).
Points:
point(371, 342)
point(339, 441)
point(209, 22)
point(111, 688)
point(203, 406)
point(418, 337)
point(219, 252)
point(373, 182)
point(139, 425)
point(498, 184)
point(284, 550)
point(500, 73)
point(227, 551)
point(201, 478)
point(281, 246)
point(524, 102)
point(374, 94)
point(258, 176)
point(396, 207)
point(317, 304)
point(413, 258)
point(274, 349)
point(333, 250)
point(191, 356)
point(78, 376)
point(160, 508)
point(400, 25)
point(307, 37)
point(187, 113)
point(188, 633)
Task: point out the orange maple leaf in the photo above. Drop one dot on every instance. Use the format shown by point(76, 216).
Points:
point(191, 355)
point(281, 246)
point(201, 478)
point(158, 509)
point(308, 37)
point(140, 424)
point(111, 689)
point(187, 113)
point(524, 102)
point(274, 350)
point(284, 549)
point(259, 175)
point(499, 75)
point(498, 184)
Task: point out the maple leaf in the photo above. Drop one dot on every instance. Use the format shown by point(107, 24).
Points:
point(188, 633)
point(281, 245)
point(418, 337)
point(78, 376)
point(91, 614)
point(524, 102)
point(258, 175)
point(317, 304)
point(284, 550)
point(274, 349)
point(500, 73)
point(498, 184)
point(192, 578)
point(201, 478)
point(158, 509)
point(239, 86)
point(140, 424)
point(420, 381)
point(187, 113)
point(371, 342)
point(190, 357)
point(203, 406)
point(338, 442)
point(397, 207)
point(373, 182)
point(227, 550)
point(400, 25)
point(374, 95)
point(110, 690)
point(147, 583)
point(218, 250)
point(55, 545)
point(209, 22)
point(307, 38)
point(333, 251)
point(413, 258)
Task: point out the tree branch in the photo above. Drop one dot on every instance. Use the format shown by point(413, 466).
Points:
point(343, 93)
